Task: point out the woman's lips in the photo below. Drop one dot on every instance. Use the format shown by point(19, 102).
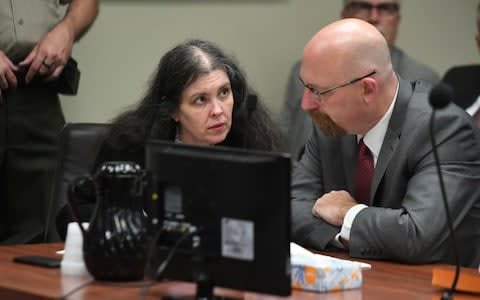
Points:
point(216, 126)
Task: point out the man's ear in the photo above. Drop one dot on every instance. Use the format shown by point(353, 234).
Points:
point(370, 88)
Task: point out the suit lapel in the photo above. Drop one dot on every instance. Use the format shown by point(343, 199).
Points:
point(349, 148)
point(392, 135)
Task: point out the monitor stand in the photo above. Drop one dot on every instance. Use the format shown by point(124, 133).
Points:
point(204, 292)
point(202, 276)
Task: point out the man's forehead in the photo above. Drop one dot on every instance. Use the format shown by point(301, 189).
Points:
point(313, 69)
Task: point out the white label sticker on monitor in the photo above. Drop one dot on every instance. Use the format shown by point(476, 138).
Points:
point(238, 239)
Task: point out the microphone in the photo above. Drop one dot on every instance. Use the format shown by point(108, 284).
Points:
point(440, 96)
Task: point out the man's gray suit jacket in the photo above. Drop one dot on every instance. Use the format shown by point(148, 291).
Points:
point(406, 219)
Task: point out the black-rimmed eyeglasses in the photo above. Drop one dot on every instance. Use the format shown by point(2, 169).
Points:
point(365, 8)
point(318, 94)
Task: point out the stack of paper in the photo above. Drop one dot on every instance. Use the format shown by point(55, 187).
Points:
point(316, 272)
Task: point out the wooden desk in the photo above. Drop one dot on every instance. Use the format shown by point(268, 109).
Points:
point(17, 281)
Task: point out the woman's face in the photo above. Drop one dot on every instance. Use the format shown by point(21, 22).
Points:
point(205, 111)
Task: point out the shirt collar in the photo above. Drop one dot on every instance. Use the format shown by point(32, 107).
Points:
point(374, 137)
point(472, 109)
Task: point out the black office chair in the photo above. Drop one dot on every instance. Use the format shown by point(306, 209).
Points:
point(79, 144)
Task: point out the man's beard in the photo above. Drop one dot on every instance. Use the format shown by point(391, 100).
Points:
point(327, 125)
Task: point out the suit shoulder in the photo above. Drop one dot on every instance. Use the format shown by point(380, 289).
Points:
point(464, 70)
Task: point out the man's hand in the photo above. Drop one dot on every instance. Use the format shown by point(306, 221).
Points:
point(50, 55)
point(8, 79)
point(333, 206)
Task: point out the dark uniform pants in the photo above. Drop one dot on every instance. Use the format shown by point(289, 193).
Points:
point(30, 123)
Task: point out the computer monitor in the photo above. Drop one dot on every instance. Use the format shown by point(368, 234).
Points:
point(238, 203)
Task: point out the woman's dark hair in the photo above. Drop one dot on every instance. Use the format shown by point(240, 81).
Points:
point(151, 118)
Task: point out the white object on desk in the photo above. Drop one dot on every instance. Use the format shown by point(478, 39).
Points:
point(323, 273)
point(72, 262)
point(297, 251)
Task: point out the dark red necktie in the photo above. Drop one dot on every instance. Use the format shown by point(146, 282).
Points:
point(363, 174)
point(476, 117)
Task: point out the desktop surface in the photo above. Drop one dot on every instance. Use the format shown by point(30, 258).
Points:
point(386, 280)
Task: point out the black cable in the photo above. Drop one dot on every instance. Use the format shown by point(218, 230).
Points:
point(447, 294)
point(150, 253)
point(165, 262)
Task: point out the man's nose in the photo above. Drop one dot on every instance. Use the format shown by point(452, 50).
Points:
point(308, 101)
point(373, 16)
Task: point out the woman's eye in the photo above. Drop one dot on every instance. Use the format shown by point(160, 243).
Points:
point(199, 100)
point(225, 92)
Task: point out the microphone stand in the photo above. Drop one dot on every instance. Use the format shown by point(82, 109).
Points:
point(448, 294)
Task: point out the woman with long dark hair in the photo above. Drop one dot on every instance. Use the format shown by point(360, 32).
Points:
point(198, 96)
point(179, 69)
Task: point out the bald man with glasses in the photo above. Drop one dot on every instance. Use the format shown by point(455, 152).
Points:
point(385, 16)
point(367, 181)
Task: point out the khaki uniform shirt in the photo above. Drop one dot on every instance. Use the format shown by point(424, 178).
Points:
point(24, 22)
